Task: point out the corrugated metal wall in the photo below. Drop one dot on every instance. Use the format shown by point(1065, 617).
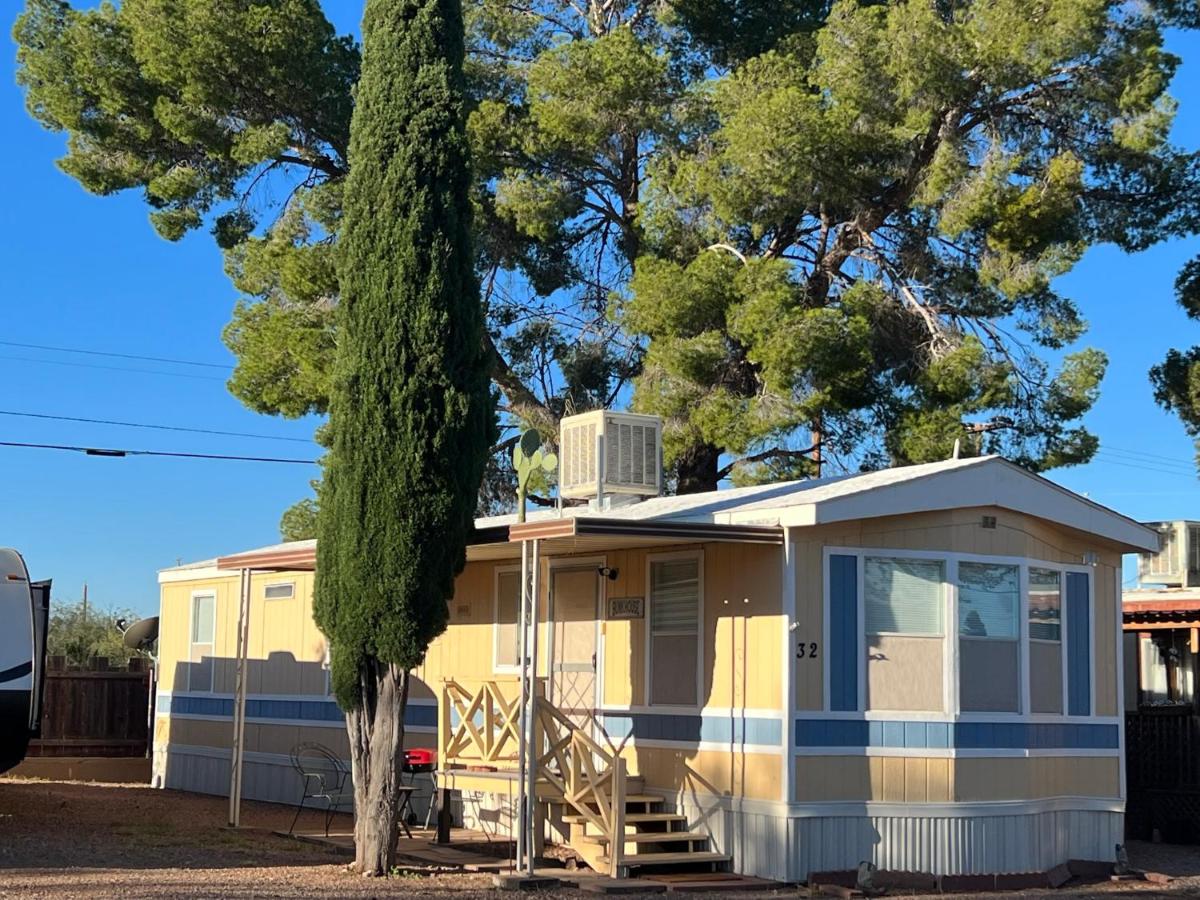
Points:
point(788, 849)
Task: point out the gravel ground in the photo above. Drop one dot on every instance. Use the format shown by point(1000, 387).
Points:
point(72, 840)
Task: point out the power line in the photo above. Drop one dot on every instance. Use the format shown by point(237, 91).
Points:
point(242, 434)
point(1178, 465)
point(1145, 468)
point(1130, 452)
point(79, 365)
point(106, 451)
point(161, 359)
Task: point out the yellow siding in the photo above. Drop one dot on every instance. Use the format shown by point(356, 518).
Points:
point(1032, 779)
point(874, 778)
point(707, 772)
point(938, 780)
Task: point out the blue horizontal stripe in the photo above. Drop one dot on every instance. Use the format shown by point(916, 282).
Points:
point(717, 729)
point(415, 715)
point(956, 735)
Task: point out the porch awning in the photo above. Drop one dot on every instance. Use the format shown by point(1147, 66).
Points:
point(583, 534)
point(570, 534)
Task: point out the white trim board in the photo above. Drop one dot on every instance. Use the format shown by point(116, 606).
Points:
point(874, 808)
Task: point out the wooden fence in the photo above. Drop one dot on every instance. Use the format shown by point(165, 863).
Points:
point(98, 711)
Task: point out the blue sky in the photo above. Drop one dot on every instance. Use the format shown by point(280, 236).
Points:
point(88, 272)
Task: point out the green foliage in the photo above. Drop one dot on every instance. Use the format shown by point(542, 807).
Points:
point(879, 207)
point(183, 98)
point(411, 418)
point(299, 521)
point(904, 180)
point(81, 633)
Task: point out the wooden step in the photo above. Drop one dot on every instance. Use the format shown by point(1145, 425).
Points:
point(638, 860)
point(651, 837)
point(638, 798)
point(633, 818)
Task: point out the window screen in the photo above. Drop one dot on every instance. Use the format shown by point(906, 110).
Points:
point(988, 597)
point(903, 596)
point(674, 631)
point(1045, 605)
point(508, 614)
point(283, 590)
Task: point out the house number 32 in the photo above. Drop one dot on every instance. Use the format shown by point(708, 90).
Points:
point(806, 651)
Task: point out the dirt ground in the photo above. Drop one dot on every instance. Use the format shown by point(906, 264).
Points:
point(73, 840)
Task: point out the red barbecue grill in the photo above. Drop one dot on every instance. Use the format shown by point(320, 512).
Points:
point(419, 760)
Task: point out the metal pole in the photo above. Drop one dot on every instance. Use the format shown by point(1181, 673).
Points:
point(239, 704)
point(524, 670)
point(532, 754)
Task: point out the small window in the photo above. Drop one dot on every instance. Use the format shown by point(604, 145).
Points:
point(200, 655)
point(674, 631)
point(903, 596)
point(280, 590)
point(507, 628)
point(202, 618)
point(1045, 605)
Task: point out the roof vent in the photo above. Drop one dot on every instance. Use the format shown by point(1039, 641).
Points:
point(602, 453)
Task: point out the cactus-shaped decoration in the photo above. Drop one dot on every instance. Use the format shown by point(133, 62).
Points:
point(529, 457)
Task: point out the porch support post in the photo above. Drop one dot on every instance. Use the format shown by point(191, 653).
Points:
point(239, 704)
point(788, 605)
point(522, 757)
point(533, 751)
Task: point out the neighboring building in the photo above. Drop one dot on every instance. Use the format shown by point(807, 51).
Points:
point(1162, 649)
point(918, 666)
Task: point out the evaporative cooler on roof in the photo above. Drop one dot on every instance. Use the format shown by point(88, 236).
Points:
point(610, 453)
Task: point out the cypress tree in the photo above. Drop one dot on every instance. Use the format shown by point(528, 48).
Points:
point(411, 414)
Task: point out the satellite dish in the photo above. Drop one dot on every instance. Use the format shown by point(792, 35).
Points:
point(142, 634)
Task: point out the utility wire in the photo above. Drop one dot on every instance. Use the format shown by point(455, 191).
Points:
point(105, 451)
point(161, 359)
point(1130, 452)
point(80, 365)
point(242, 434)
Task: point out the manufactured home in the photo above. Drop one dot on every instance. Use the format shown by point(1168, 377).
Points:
point(918, 667)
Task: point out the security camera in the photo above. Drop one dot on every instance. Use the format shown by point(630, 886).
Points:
point(608, 572)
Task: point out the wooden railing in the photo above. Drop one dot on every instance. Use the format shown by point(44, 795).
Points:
point(488, 727)
point(483, 728)
point(590, 779)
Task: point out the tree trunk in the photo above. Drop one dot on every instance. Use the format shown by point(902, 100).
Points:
point(698, 469)
point(376, 729)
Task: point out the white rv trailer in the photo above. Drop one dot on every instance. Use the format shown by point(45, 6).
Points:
point(24, 612)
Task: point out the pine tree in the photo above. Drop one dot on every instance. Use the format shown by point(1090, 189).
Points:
point(410, 413)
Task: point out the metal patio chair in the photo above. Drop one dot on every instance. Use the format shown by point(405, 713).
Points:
point(324, 778)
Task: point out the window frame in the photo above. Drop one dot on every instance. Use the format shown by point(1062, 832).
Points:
point(648, 689)
point(270, 584)
point(497, 667)
point(211, 643)
point(951, 674)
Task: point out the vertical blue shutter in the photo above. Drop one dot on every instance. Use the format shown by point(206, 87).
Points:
point(843, 633)
point(1079, 650)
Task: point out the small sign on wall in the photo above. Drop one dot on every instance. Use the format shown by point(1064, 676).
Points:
point(626, 607)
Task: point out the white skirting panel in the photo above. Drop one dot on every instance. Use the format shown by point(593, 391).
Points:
point(789, 848)
point(968, 845)
point(266, 777)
